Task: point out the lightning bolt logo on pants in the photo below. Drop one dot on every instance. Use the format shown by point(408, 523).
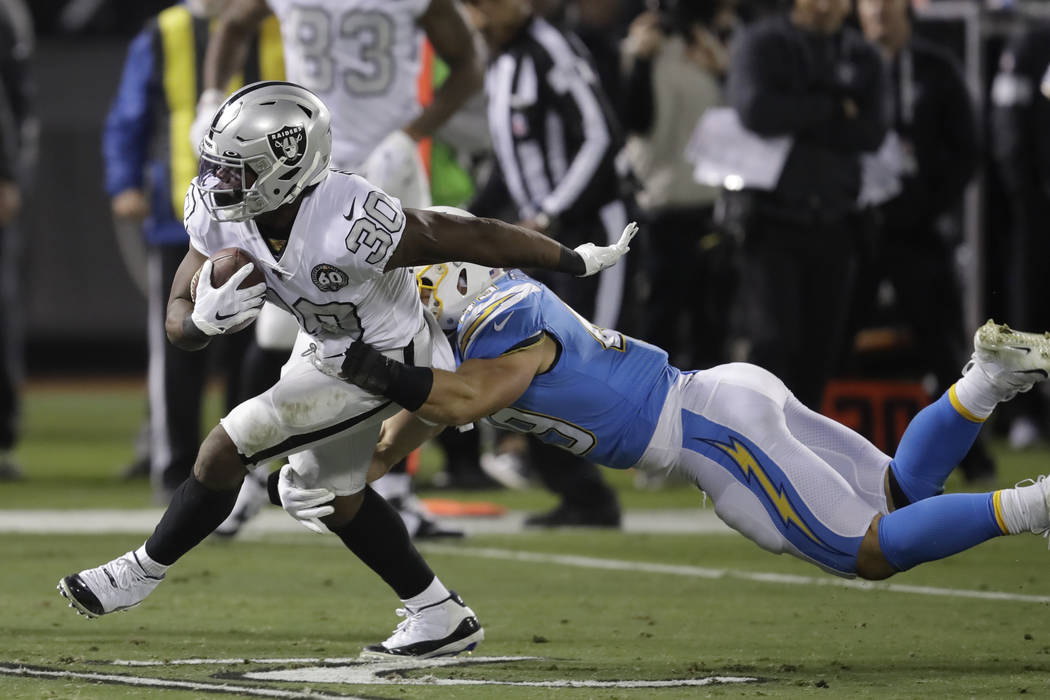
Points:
point(751, 468)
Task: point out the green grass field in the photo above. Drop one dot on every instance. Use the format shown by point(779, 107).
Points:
point(603, 610)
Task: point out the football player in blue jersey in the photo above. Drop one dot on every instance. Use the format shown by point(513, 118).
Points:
point(783, 475)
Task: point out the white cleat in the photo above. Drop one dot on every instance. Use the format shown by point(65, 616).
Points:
point(117, 585)
point(442, 629)
point(1014, 360)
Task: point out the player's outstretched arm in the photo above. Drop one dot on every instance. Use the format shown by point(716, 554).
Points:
point(178, 324)
point(400, 434)
point(227, 52)
point(458, 45)
point(479, 387)
point(432, 237)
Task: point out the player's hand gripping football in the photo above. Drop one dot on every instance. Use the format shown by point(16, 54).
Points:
point(307, 506)
point(597, 258)
point(218, 309)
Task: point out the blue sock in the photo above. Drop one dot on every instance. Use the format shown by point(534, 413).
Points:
point(934, 443)
point(936, 528)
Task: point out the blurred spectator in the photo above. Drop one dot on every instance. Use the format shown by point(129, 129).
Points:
point(17, 141)
point(1020, 141)
point(805, 76)
point(555, 138)
point(149, 165)
point(675, 62)
point(933, 118)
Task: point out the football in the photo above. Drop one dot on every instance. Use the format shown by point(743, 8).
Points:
point(223, 264)
point(226, 262)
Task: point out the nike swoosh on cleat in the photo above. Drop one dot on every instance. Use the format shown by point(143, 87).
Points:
point(1021, 347)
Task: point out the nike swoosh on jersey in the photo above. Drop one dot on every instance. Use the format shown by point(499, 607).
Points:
point(499, 326)
point(223, 317)
point(349, 216)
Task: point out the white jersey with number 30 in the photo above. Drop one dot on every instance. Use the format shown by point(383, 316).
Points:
point(362, 57)
point(330, 275)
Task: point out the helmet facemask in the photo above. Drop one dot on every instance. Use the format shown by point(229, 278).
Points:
point(248, 165)
point(447, 289)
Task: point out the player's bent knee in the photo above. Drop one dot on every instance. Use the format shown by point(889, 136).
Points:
point(871, 564)
point(346, 508)
point(218, 464)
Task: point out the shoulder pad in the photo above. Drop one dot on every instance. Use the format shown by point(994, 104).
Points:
point(503, 320)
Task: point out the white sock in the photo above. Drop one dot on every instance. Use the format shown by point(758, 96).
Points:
point(434, 593)
point(151, 567)
point(1023, 509)
point(977, 393)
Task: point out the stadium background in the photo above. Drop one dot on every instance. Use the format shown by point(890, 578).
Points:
point(85, 318)
point(70, 251)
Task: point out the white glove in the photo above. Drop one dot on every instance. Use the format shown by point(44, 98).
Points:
point(226, 308)
point(599, 257)
point(307, 506)
point(207, 105)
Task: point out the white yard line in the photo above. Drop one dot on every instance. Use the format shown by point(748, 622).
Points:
point(274, 520)
point(735, 574)
point(167, 684)
point(681, 521)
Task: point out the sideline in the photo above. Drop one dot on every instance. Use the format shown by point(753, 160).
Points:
point(274, 520)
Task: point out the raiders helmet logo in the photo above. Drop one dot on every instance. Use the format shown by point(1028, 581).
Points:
point(288, 143)
point(328, 278)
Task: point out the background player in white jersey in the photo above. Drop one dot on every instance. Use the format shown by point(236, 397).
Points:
point(788, 478)
point(362, 57)
point(334, 251)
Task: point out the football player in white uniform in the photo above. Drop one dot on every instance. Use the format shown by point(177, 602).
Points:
point(362, 57)
point(788, 478)
point(334, 251)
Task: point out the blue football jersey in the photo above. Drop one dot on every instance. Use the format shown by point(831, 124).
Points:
point(602, 397)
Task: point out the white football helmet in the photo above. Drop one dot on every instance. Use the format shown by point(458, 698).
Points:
point(266, 143)
point(447, 289)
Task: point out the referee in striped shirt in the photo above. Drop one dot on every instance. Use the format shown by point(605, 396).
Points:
point(555, 137)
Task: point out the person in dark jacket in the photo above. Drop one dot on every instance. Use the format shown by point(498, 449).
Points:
point(16, 140)
point(1020, 144)
point(933, 116)
point(806, 76)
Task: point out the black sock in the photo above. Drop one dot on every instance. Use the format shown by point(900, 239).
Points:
point(271, 487)
point(379, 539)
point(195, 510)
